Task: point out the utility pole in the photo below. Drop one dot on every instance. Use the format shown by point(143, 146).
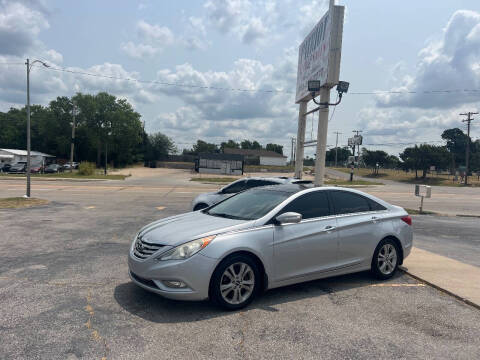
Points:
point(74, 110)
point(468, 120)
point(336, 147)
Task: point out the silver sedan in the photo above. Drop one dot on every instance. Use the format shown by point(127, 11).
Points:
point(269, 237)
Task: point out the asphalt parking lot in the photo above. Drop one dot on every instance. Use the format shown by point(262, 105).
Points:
point(65, 293)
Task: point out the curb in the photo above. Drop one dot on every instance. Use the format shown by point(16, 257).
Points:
point(445, 291)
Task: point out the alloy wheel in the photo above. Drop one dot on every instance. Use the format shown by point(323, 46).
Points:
point(237, 283)
point(387, 259)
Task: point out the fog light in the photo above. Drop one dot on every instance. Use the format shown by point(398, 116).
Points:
point(174, 284)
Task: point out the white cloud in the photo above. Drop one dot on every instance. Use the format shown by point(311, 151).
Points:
point(19, 26)
point(53, 56)
point(249, 21)
point(138, 50)
point(215, 115)
point(449, 64)
point(161, 35)
point(310, 14)
point(195, 36)
point(151, 39)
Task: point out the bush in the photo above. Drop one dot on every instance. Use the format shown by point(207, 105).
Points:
point(86, 168)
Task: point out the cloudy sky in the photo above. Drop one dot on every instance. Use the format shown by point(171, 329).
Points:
point(398, 50)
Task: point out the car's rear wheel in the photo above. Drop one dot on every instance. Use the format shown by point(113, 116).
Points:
point(385, 259)
point(235, 282)
point(200, 207)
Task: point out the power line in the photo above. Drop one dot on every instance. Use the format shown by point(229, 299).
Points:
point(380, 92)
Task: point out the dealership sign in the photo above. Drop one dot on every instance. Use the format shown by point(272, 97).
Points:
point(320, 52)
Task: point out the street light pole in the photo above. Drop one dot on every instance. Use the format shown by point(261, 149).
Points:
point(29, 66)
point(28, 128)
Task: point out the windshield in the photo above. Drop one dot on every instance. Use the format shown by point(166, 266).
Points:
point(248, 205)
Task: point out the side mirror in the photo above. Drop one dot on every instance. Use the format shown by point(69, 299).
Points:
point(288, 218)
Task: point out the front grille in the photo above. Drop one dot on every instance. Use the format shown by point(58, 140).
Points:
point(143, 249)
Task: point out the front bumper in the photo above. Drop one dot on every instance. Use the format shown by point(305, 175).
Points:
point(195, 272)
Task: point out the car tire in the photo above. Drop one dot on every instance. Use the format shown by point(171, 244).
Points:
point(200, 207)
point(235, 282)
point(386, 259)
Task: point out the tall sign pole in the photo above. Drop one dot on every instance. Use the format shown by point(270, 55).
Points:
point(468, 120)
point(319, 61)
point(302, 119)
point(322, 137)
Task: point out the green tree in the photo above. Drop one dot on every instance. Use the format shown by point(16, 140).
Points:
point(229, 144)
point(375, 159)
point(102, 119)
point(456, 145)
point(423, 156)
point(275, 148)
point(158, 147)
point(201, 147)
point(342, 155)
point(251, 145)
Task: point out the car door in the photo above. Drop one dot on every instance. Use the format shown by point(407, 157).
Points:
point(307, 247)
point(358, 228)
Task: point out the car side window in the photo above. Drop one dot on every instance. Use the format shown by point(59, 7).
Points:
point(310, 205)
point(374, 206)
point(346, 202)
point(235, 187)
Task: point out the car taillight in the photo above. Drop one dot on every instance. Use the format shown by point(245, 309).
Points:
point(407, 220)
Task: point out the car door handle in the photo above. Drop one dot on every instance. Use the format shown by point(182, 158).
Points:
point(329, 228)
point(375, 218)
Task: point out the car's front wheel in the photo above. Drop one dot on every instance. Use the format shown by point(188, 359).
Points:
point(385, 259)
point(235, 282)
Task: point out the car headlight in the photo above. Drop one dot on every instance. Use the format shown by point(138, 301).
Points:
point(187, 250)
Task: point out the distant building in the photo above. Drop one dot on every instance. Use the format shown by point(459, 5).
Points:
point(259, 157)
point(213, 163)
point(13, 156)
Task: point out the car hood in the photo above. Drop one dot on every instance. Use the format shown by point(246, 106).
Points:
point(179, 229)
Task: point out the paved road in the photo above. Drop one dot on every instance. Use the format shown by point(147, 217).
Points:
point(65, 293)
point(454, 237)
point(445, 199)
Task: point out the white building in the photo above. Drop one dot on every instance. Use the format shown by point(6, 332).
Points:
point(13, 156)
point(264, 157)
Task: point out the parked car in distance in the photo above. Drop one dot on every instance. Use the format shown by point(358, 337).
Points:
point(18, 168)
point(53, 168)
point(5, 167)
point(66, 166)
point(268, 237)
point(205, 200)
point(36, 169)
